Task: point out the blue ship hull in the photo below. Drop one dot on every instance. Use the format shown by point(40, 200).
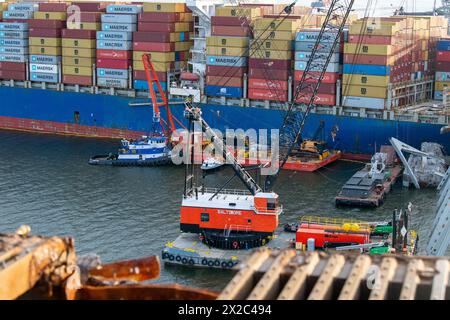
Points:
point(85, 114)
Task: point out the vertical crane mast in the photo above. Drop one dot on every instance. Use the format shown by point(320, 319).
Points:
point(306, 91)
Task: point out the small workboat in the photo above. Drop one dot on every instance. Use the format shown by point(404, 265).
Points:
point(211, 164)
point(148, 151)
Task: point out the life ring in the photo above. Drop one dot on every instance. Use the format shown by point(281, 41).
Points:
point(171, 257)
point(191, 262)
point(178, 258)
point(184, 261)
point(235, 245)
point(204, 261)
point(210, 263)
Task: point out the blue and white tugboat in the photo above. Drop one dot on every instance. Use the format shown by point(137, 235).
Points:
point(151, 150)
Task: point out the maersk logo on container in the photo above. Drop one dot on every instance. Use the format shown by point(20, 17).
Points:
point(313, 35)
point(13, 26)
point(123, 9)
point(44, 68)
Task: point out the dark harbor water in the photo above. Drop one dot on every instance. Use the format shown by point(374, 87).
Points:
point(122, 213)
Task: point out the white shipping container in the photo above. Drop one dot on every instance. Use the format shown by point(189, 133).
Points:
point(363, 102)
point(44, 68)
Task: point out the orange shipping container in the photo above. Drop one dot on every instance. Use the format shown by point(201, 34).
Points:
point(224, 81)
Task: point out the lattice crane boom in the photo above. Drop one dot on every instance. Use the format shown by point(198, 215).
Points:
point(306, 91)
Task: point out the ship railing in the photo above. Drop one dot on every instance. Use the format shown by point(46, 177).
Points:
point(339, 222)
point(277, 211)
point(236, 192)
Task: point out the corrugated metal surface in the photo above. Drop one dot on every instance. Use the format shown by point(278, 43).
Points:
point(226, 51)
point(47, 42)
point(363, 102)
point(239, 42)
point(77, 70)
point(364, 91)
point(79, 43)
point(44, 77)
point(360, 80)
point(74, 61)
point(368, 49)
point(52, 51)
point(367, 69)
point(78, 52)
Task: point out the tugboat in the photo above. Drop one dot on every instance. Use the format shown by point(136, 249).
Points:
point(151, 150)
point(369, 186)
point(211, 164)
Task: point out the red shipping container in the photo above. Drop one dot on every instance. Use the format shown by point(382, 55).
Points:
point(13, 66)
point(16, 20)
point(140, 75)
point(230, 31)
point(269, 74)
point(224, 81)
point(44, 33)
point(443, 56)
point(270, 63)
point(90, 16)
point(153, 46)
point(225, 71)
point(114, 54)
point(267, 84)
point(369, 39)
point(329, 77)
point(321, 99)
point(143, 36)
point(91, 6)
point(78, 34)
point(366, 59)
point(113, 63)
point(73, 79)
point(274, 95)
point(14, 75)
point(325, 88)
point(46, 24)
point(230, 21)
point(53, 6)
point(157, 27)
point(159, 17)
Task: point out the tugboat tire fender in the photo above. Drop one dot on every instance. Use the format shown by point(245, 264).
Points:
point(224, 264)
point(210, 263)
point(184, 261)
point(217, 263)
point(191, 262)
point(171, 257)
point(165, 255)
point(204, 261)
point(178, 258)
point(230, 264)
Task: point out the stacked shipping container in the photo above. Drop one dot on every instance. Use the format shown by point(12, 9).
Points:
point(227, 51)
point(384, 52)
point(45, 42)
point(442, 69)
point(304, 43)
point(164, 33)
point(79, 43)
point(14, 40)
point(115, 42)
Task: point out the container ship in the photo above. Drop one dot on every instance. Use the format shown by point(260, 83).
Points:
point(75, 68)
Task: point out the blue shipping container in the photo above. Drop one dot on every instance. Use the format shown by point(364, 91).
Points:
point(332, 67)
point(363, 102)
point(229, 92)
point(14, 34)
point(25, 6)
point(228, 61)
point(112, 73)
point(44, 77)
point(304, 56)
point(14, 50)
point(45, 59)
point(22, 15)
point(311, 36)
point(119, 27)
point(443, 45)
point(119, 18)
point(13, 26)
point(114, 45)
point(114, 8)
point(115, 35)
point(13, 58)
point(372, 70)
point(143, 85)
point(10, 42)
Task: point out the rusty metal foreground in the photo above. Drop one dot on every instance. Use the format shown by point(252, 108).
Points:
point(34, 267)
point(287, 275)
